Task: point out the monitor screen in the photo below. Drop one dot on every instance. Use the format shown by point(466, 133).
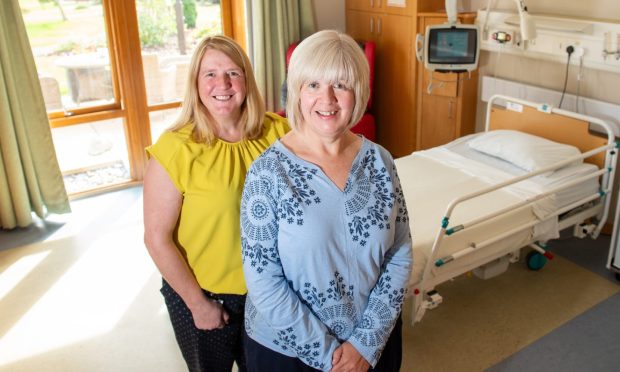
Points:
point(452, 46)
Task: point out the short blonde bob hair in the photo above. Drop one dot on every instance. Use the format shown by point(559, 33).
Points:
point(194, 111)
point(332, 56)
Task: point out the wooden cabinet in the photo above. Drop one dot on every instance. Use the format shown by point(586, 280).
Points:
point(448, 110)
point(393, 30)
point(387, 6)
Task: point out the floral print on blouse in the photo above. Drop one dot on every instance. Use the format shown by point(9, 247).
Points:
point(322, 265)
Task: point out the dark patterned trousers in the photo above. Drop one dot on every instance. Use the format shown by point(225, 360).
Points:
point(208, 351)
point(263, 359)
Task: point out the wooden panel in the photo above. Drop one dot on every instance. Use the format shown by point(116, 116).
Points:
point(554, 127)
point(359, 4)
point(132, 88)
point(467, 104)
point(395, 107)
point(359, 25)
point(233, 20)
point(86, 118)
point(466, 17)
point(439, 115)
point(444, 84)
point(429, 5)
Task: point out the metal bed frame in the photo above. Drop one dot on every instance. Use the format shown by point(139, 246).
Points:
point(593, 206)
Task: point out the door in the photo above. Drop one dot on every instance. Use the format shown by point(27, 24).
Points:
point(394, 84)
point(438, 124)
point(361, 25)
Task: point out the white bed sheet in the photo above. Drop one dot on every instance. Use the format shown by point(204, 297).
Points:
point(432, 179)
point(563, 197)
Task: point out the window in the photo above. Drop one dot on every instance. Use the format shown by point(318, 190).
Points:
point(113, 74)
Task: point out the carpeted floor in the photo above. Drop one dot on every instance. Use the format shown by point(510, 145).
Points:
point(81, 294)
point(482, 322)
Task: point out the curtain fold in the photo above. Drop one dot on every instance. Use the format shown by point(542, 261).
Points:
point(30, 178)
point(274, 25)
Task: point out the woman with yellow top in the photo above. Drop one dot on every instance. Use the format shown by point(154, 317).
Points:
point(192, 192)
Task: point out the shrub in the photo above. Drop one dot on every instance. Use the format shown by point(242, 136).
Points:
point(212, 28)
point(156, 22)
point(67, 47)
point(189, 13)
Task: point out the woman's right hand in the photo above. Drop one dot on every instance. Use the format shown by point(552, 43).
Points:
point(209, 315)
point(162, 205)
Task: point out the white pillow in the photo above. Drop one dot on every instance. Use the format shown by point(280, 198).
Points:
point(523, 150)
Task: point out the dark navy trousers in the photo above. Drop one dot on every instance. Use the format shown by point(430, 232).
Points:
point(208, 351)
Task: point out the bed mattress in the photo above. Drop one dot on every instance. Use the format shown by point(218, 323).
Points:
point(562, 198)
point(431, 179)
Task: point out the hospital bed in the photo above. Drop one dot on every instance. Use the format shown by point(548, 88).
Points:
point(475, 202)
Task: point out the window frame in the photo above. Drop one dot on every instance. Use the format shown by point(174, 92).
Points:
point(130, 99)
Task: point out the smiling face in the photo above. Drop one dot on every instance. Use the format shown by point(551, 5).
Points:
point(325, 58)
point(221, 86)
point(326, 107)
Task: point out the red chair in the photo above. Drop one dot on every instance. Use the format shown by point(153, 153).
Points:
point(366, 126)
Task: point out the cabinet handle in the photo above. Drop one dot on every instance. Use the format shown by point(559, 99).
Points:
point(372, 25)
point(372, 3)
point(378, 26)
point(378, 3)
point(450, 109)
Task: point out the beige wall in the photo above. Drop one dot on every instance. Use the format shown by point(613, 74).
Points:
point(602, 9)
point(595, 84)
point(330, 14)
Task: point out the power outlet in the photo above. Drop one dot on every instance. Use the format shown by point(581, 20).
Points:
point(579, 52)
point(565, 44)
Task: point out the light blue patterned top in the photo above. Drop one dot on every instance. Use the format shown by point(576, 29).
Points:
point(324, 266)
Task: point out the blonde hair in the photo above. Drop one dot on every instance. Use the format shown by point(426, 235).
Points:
point(193, 110)
point(327, 55)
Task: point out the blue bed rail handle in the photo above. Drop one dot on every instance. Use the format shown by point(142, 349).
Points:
point(454, 229)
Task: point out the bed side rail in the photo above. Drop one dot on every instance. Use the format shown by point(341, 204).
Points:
point(445, 229)
point(607, 174)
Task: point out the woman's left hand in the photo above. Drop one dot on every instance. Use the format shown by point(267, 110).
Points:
point(349, 359)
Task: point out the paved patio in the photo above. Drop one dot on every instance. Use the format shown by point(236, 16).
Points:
point(94, 155)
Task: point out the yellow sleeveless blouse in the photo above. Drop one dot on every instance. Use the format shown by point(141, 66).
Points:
point(211, 179)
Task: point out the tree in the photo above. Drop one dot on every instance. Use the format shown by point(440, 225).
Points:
point(57, 3)
point(178, 8)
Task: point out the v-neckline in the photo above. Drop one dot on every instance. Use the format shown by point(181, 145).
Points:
point(310, 164)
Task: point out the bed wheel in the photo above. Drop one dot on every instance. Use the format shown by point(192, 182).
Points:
point(535, 261)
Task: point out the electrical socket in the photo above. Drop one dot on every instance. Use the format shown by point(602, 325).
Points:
point(579, 52)
point(565, 44)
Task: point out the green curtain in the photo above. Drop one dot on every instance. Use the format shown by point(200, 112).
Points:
point(30, 179)
point(273, 26)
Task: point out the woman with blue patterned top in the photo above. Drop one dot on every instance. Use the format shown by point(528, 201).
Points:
point(324, 227)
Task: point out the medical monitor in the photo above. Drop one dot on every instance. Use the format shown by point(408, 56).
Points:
point(451, 48)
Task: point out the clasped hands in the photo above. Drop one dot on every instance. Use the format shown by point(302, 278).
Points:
point(346, 358)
